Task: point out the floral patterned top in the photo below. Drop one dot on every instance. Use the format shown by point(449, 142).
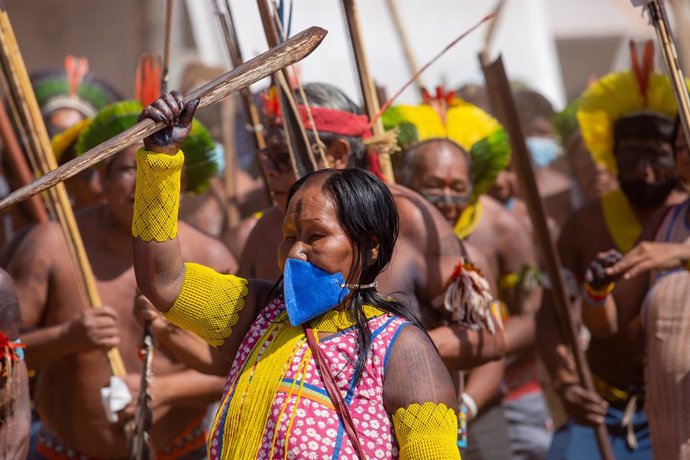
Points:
point(302, 422)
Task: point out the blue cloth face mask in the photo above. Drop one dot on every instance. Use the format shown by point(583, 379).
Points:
point(543, 150)
point(309, 291)
point(218, 157)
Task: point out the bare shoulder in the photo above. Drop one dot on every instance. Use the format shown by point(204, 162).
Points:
point(200, 248)
point(262, 243)
point(423, 223)
point(413, 354)
point(270, 220)
point(502, 220)
point(9, 307)
point(235, 238)
point(40, 243)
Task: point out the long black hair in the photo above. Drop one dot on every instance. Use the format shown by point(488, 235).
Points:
point(367, 214)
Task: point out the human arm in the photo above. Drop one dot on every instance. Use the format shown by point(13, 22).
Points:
point(597, 304)
point(462, 348)
point(582, 405)
point(219, 308)
point(517, 264)
point(484, 382)
point(423, 410)
point(187, 348)
point(651, 256)
point(33, 270)
point(187, 388)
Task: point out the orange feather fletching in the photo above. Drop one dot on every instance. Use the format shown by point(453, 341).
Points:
point(75, 68)
point(148, 79)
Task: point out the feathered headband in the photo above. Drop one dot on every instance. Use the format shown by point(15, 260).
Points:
point(338, 122)
point(447, 116)
point(616, 96)
point(113, 119)
point(72, 87)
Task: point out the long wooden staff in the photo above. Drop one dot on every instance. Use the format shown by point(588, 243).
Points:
point(27, 108)
point(301, 153)
point(657, 13)
point(371, 101)
point(227, 25)
point(404, 40)
point(167, 45)
point(289, 52)
point(141, 447)
point(18, 163)
point(501, 99)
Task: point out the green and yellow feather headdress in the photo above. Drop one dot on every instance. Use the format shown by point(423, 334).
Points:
point(620, 94)
point(113, 119)
point(481, 135)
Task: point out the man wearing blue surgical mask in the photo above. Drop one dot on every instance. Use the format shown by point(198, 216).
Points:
point(535, 113)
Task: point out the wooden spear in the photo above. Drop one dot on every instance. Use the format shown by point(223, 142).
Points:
point(501, 99)
point(227, 25)
point(301, 153)
point(657, 13)
point(289, 52)
point(405, 43)
point(167, 45)
point(371, 101)
point(18, 163)
point(30, 115)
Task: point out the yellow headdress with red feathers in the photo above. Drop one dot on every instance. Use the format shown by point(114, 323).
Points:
point(618, 95)
point(447, 116)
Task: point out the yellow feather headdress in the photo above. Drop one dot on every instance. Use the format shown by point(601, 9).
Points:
point(480, 134)
point(618, 95)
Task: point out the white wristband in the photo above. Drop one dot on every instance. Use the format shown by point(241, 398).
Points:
point(471, 406)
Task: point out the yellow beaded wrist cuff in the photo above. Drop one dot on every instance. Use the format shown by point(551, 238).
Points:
point(428, 431)
point(157, 195)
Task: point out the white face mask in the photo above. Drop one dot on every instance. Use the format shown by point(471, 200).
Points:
point(543, 150)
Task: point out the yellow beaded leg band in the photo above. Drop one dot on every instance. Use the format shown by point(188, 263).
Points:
point(157, 196)
point(427, 432)
point(208, 304)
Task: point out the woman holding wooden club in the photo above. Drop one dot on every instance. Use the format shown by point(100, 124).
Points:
point(323, 365)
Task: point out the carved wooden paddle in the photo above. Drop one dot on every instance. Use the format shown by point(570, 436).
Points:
point(289, 52)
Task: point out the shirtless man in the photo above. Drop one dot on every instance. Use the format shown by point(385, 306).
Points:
point(642, 153)
point(426, 250)
point(440, 169)
point(15, 406)
point(66, 340)
point(661, 269)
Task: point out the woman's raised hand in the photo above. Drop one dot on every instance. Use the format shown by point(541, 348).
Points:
point(170, 109)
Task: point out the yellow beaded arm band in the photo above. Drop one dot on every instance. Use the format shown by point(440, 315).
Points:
point(157, 195)
point(208, 304)
point(427, 432)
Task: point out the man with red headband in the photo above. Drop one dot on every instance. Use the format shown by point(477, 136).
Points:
point(427, 250)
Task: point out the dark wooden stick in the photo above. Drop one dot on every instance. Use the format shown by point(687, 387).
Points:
point(366, 84)
point(230, 33)
point(657, 13)
point(38, 143)
point(501, 98)
point(301, 153)
point(227, 25)
point(166, 46)
point(289, 52)
point(404, 40)
point(18, 162)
